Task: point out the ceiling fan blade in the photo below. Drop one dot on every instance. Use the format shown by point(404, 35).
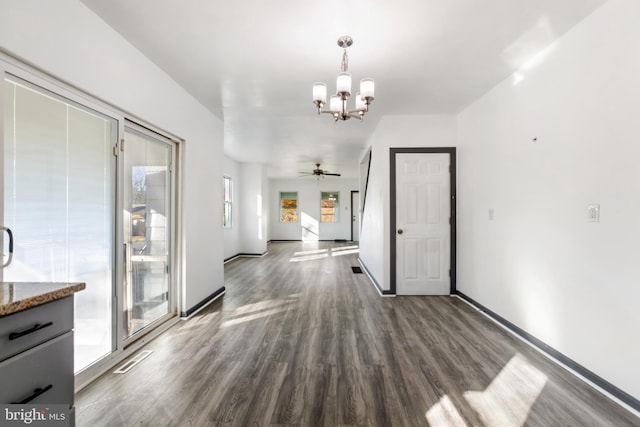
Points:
point(332, 174)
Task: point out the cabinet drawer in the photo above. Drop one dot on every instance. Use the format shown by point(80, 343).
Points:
point(34, 326)
point(48, 366)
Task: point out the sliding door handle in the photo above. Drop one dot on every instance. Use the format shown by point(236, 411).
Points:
point(8, 230)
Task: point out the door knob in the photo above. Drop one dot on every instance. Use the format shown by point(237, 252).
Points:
point(400, 231)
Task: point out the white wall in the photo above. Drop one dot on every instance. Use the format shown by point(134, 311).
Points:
point(232, 235)
point(539, 263)
point(394, 131)
point(253, 196)
point(309, 190)
point(67, 40)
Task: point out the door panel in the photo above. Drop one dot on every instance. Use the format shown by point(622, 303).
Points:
point(422, 222)
point(147, 230)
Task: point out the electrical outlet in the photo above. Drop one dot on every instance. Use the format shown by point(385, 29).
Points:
point(593, 212)
point(490, 214)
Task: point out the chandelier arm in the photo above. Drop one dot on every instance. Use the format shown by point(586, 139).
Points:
point(363, 111)
point(320, 111)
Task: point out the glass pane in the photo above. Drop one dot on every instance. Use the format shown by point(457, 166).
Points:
point(226, 216)
point(227, 188)
point(289, 207)
point(146, 228)
point(59, 202)
point(329, 207)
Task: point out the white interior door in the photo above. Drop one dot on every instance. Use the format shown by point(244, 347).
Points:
point(423, 242)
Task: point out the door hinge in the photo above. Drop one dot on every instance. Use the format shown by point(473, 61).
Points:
point(449, 272)
point(122, 145)
point(166, 268)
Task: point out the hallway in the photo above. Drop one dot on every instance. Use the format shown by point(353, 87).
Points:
point(299, 339)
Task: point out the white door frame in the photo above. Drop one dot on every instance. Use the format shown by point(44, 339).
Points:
point(393, 225)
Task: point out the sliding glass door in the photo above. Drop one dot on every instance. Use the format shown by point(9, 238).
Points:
point(147, 220)
point(89, 197)
point(59, 201)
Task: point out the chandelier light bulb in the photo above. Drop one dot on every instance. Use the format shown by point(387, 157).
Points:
point(320, 92)
point(335, 104)
point(367, 89)
point(343, 84)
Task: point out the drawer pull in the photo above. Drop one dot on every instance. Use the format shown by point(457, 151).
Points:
point(37, 327)
point(37, 392)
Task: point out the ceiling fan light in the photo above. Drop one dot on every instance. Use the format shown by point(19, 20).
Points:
point(343, 83)
point(320, 92)
point(367, 89)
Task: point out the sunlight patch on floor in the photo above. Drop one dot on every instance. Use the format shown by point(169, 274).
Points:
point(250, 317)
point(507, 401)
point(344, 248)
point(261, 305)
point(199, 320)
point(344, 252)
point(316, 254)
point(445, 414)
point(308, 258)
point(511, 394)
point(313, 252)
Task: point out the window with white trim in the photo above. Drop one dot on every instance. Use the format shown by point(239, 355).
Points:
point(228, 200)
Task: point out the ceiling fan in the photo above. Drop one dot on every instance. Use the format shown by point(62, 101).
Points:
point(317, 172)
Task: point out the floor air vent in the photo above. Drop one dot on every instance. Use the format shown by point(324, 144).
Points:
point(356, 270)
point(129, 365)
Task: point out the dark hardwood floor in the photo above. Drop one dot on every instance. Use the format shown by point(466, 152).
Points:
point(301, 340)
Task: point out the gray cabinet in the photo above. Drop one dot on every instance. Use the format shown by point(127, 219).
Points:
point(36, 355)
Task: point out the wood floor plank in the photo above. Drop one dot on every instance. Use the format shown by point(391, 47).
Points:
point(299, 340)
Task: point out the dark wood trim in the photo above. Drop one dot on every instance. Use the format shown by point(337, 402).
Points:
point(454, 198)
point(571, 364)
point(366, 183)
point(392, 204)
point(231, 258)
point(352, 221)
point(204, 302)
point(244, 254)
point(374, 281)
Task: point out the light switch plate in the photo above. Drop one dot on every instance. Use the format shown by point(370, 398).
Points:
point(593, 212)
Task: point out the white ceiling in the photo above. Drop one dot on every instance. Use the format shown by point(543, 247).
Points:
point(252, 62)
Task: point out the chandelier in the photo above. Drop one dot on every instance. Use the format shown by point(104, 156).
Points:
point(338, 102)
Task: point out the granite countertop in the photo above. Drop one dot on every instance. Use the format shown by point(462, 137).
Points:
point(19, 296)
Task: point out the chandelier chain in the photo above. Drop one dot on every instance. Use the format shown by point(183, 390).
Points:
point(345, 62)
